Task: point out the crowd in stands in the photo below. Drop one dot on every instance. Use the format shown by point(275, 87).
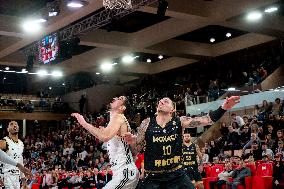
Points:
point(67, 158)
point(206, 80)
point(256, 138)
point(30, 103)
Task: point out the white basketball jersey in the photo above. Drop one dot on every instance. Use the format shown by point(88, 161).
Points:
point(15, 151)
point(119, 151)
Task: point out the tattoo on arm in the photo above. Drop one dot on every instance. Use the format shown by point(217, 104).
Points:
point(196, 121)
point(140, 139)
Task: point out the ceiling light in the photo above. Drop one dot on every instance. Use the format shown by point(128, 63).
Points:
point(7, 68)
point(228, 34)
point(63, 84)
point(212, 40)
point(76, 3)
point(41, 20)
point(51, 14)
point(271, 9)
point(24, 71)
point(57, 74)
point(42, 73)
point(254, 16)
point(149, 60)
point(115, 63)
point(50, 88)
point(10, 71)
point(160, 57)
point(127, 59)
point(231, 89)
point(4, 78)
point(106, 66)
point(33, 26)
point(98, 73)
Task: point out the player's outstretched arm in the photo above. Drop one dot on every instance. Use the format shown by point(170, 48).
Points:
point(212, 117)
point(103, 134)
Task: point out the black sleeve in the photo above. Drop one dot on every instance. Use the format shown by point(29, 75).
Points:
point(217, 114)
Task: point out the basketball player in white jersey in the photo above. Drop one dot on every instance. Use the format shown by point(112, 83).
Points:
point(125, 173)
point(13, 147)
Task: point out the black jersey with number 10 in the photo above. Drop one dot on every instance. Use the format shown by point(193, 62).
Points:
point(163, 146)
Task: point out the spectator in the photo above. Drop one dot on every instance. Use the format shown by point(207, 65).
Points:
point(280, 149)
point(204, 156)
point(214, 151)
point(238, 119)
point(254, 138)
point(232, 142)
point(47, 180)
point(239, 175)
point(102, 163)
point(269, 141)
point(276, 106)
point(266, 151)
point(256, 151)
point(223, 177)
point(278, 170)
point(82, 103)
point(245, 135)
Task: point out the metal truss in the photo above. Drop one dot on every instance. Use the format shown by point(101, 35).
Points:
point(91, 23)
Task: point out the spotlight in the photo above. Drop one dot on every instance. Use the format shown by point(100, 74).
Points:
point(57, 74)
point(212, 40)
point(149, 60)
point(42, 73)
point(228, 34)
point(23, 71)
point(271, 9)
point(162, 8)
point(254, 16)
point(106, 66)
point(63, 84)
point(7, 68)
point(76, 3)
point(33, 26)
point(127, 59)
point(50, 88)
point(160, 57)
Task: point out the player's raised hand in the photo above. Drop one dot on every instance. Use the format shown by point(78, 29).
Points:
point(230, 102)
point(79, 118)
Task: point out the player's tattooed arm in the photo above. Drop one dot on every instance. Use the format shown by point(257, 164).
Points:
point(137, 142)
point(189, 122)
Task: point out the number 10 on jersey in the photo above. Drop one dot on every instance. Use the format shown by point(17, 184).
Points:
point(167, 150)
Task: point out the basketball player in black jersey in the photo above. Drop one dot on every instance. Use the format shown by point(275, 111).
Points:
point(162, 138)
point(190, 151)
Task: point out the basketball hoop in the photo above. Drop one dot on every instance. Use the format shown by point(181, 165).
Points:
point(117, 4)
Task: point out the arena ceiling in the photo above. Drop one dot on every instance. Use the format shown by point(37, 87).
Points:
point(182, 36)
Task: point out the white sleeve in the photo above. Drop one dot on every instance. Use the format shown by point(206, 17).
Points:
point(6, 159)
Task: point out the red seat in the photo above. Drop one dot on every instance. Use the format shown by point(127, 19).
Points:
point(215, 170)
point(35, 186)
point(265, 169)
point(263, 178)
point(207, 170)
point(252, 168)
